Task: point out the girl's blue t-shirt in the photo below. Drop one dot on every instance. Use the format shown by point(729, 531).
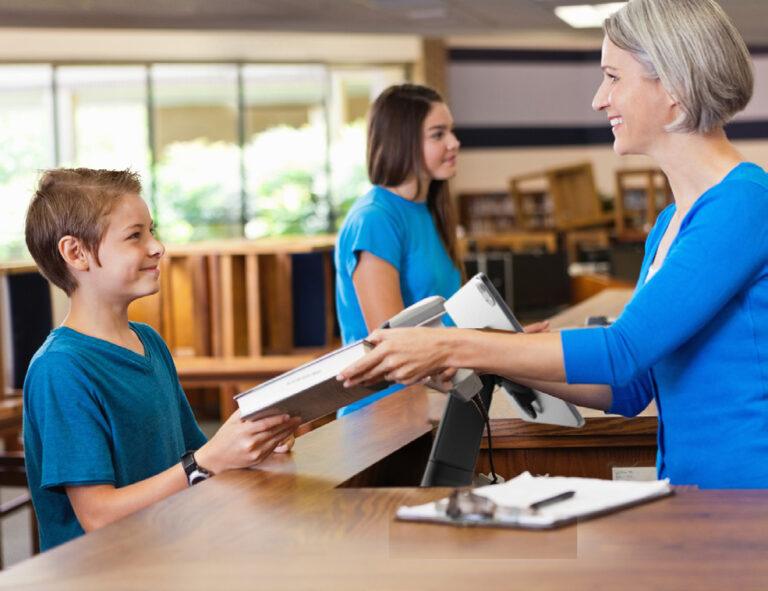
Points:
point(403, 233)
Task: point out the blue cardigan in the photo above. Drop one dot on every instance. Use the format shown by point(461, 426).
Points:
point(695, 339)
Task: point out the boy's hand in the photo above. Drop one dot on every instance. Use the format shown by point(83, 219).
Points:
point(286, 445)
point(240, 444)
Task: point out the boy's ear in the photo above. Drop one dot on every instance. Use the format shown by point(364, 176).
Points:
point(73, 253)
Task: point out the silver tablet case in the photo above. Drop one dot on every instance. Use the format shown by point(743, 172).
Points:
point(478, 305)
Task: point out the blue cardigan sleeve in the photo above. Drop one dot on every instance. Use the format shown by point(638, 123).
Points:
point(632, 398)
point(721, 246)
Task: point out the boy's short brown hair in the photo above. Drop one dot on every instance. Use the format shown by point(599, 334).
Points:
point(73, 202)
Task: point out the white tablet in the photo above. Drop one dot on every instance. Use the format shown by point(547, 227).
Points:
point(479, 305)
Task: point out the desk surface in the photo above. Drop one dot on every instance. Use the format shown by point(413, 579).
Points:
point(288, 525)
point(609, 302)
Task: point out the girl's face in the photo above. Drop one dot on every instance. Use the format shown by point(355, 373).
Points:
point(440, 145)
point(638, 107)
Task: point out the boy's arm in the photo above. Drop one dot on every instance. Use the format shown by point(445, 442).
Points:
point(101, 504)
point(237, 444)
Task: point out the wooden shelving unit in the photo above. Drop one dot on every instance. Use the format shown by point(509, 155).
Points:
point(563, 198)
point(225, 309)
point(233, 298)
point(641, 193)
point(484, 213)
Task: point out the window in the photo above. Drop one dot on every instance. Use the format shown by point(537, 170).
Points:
point(102, 117)
point(352, 92)
point(26, 146)
point(224, 150)
point(286, 150)
point(197, 172)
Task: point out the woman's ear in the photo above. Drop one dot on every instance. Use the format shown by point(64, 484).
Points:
point(73, 253)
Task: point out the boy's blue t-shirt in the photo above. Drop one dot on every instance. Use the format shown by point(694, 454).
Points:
point(98, 413)
point(403, 233)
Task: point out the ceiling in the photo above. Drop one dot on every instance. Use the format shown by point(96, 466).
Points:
point(422, 17)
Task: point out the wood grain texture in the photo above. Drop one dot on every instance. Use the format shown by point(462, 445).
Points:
point(253, 304)
point(277, 303)
point(227, 306)
point(286, 525)
point(608, 302)
point(596, 432)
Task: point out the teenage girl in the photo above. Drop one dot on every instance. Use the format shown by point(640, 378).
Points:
point(398, 242)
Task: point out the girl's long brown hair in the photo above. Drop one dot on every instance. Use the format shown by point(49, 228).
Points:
point(395, 152)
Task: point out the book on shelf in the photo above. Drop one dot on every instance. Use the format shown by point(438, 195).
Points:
point(310, 391)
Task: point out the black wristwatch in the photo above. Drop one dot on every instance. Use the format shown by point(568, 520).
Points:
point(195, 473)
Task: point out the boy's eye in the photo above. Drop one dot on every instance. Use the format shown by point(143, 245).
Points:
point(134, 236)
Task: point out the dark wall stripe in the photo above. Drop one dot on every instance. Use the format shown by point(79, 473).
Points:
point(459, 54)
point(747, 130)
point(471, 54)
point(528, 137)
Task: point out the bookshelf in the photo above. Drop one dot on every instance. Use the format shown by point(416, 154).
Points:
point(562, 198)
point(236, 298)
point(484, 213)
point(641, 193)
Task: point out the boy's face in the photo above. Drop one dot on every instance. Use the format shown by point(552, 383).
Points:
point(129, 254)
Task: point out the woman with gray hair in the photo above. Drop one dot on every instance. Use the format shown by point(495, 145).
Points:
point(694, 336)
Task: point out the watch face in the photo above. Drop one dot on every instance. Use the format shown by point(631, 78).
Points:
point(197, 476)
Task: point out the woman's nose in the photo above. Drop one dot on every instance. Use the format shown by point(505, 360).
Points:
point(600, 100)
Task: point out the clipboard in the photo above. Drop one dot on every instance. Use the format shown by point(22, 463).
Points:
point(536, 502)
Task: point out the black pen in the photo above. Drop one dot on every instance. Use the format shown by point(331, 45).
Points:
point(551, 500)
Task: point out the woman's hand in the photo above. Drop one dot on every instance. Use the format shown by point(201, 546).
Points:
point(444, 379)
point(403, 355)
point(240, 444)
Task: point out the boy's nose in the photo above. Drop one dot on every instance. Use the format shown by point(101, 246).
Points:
point(157, 248)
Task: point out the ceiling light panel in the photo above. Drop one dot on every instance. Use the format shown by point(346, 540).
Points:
point(587, 16)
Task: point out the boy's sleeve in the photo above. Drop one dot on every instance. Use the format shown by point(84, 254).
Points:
point(75, 435)
point(374, 230)
point(194, 438)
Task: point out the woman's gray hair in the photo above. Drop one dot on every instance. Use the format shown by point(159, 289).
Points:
point(692, 47)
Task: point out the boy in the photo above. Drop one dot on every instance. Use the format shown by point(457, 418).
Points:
point(107, 427)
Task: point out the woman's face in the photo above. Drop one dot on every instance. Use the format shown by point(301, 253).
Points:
point(637, 106)
point(440, 146)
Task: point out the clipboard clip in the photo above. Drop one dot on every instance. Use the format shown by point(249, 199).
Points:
point(463, 505)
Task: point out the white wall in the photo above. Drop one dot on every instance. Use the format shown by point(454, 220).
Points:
point(520, 94)
point(142, 45)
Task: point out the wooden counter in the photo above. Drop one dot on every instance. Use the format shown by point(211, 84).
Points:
point(293, 524)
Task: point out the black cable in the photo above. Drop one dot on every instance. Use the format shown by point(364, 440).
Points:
point(478, 402)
